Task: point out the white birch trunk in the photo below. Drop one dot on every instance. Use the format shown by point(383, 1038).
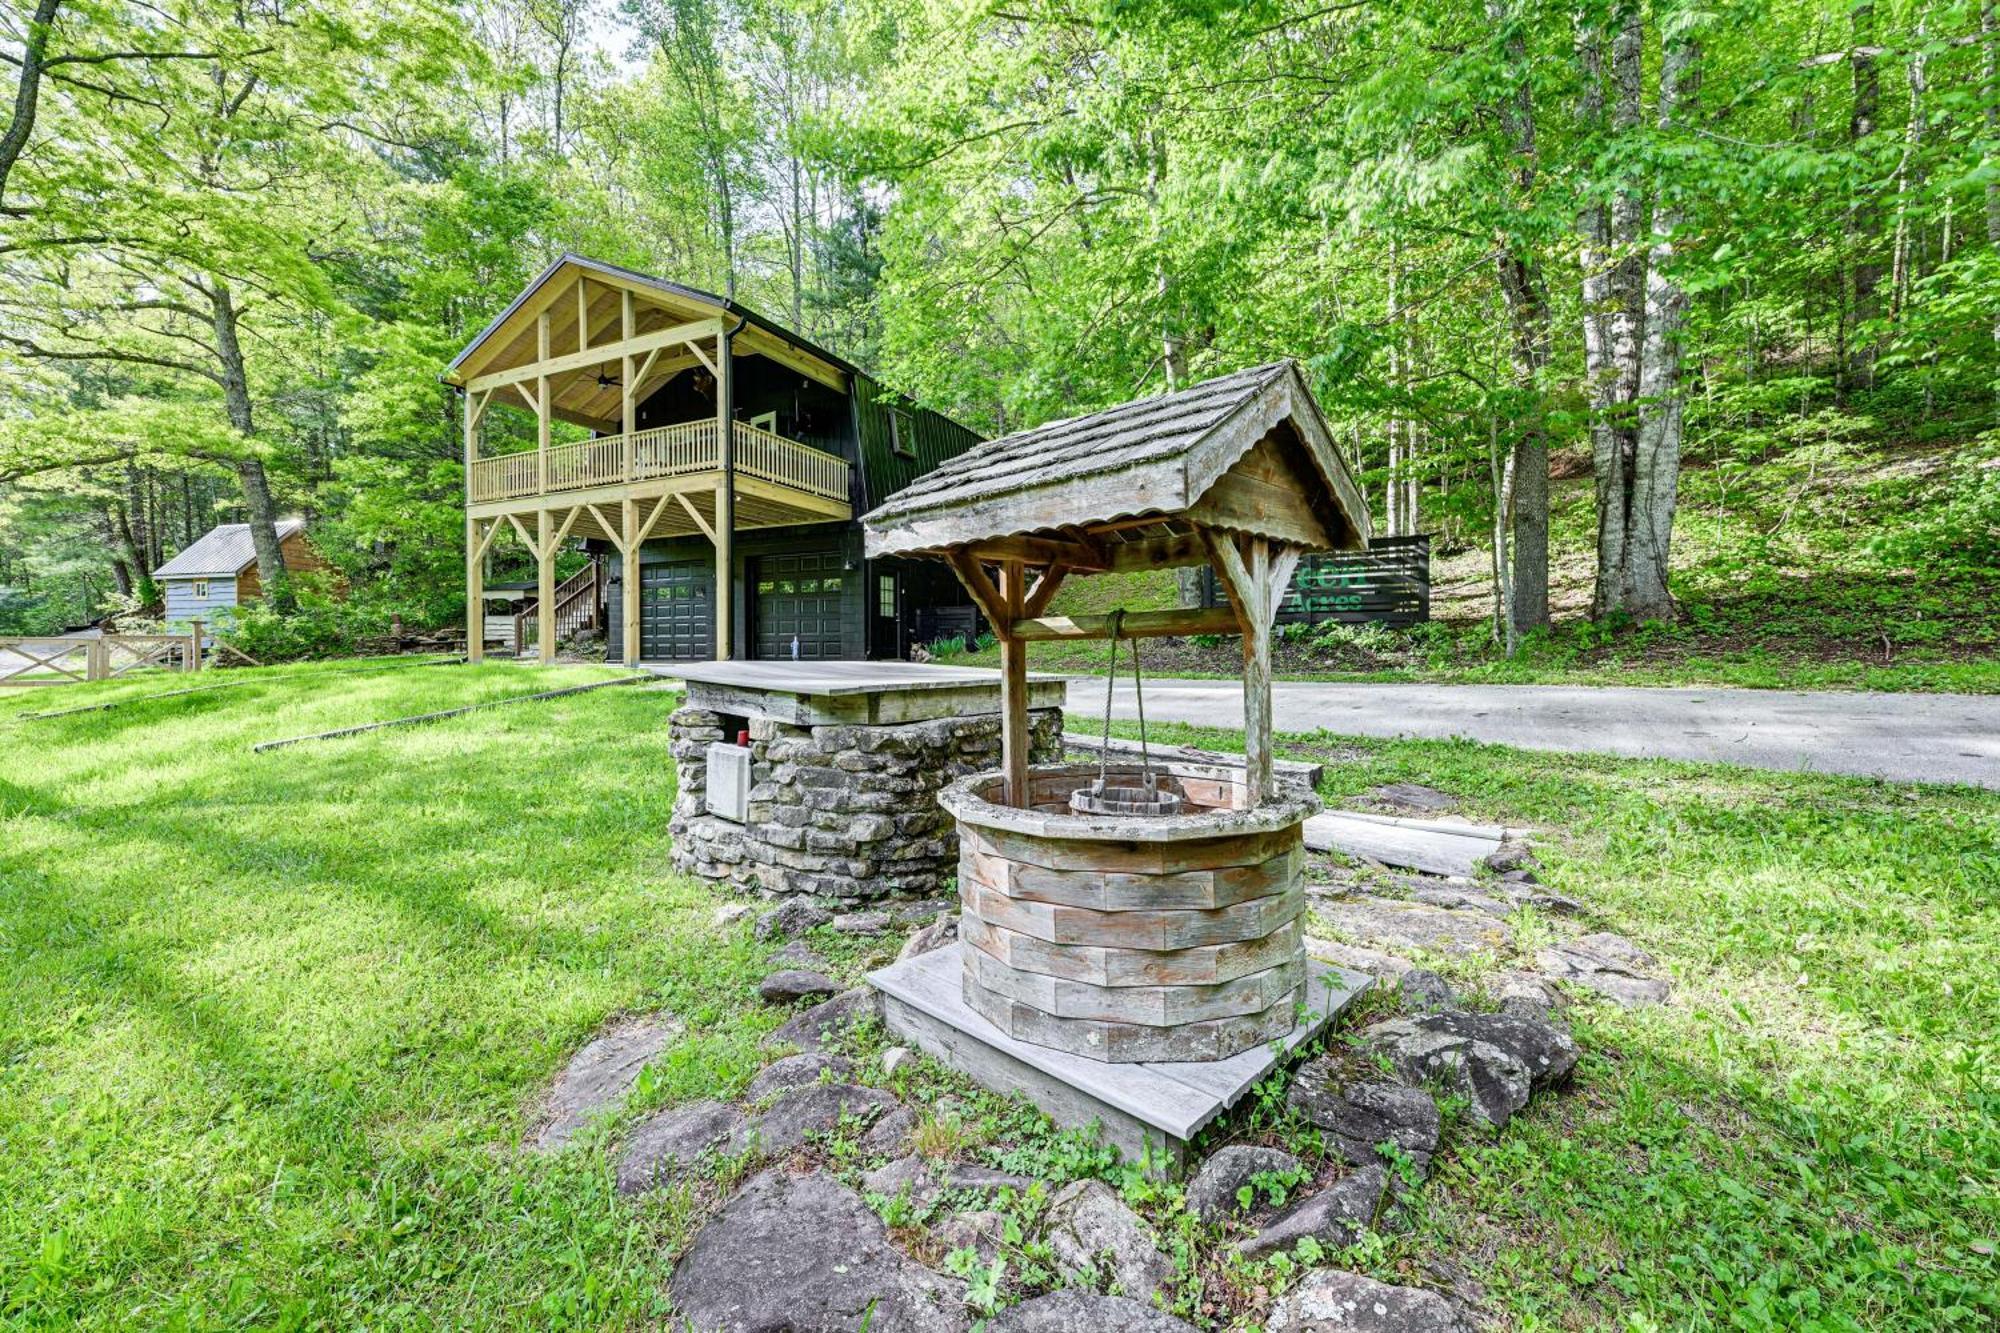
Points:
point(1656, 466)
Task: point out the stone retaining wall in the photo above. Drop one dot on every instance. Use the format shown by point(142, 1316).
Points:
point(843, 812)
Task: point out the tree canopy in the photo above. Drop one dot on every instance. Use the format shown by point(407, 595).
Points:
point(238, 242)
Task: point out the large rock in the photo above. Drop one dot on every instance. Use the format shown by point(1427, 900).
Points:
point(1423, 992)
point(1546, 1050)
point(1335, 1301)
point(1072, 1311)
point(867, 924)
point(673, 1141)
point(1356, 958)
point(926, 939)
point(1331, 1301)
point(982, 1231)
point(797, 1071)
point(798, 954)
point(1511, 854)
point(1609, 964)
point(810, 1030)
point(794, 916)
point(1094, 1235)
point(1495, 1083)
point(1211, 1195)
point(817, 1108)
point(890, 1134)
point(1392, 923)
point(600, 1074)
point(925, 1182)
point(1359, 1117)
point(794, 984)
point(803, 1254)
point(1333, 1216)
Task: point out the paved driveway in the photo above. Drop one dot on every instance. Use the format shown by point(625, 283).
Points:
point(1904, 737)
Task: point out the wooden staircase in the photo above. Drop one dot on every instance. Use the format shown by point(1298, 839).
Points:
point(578, 602)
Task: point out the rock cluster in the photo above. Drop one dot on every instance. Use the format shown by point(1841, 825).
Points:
point(841, 813)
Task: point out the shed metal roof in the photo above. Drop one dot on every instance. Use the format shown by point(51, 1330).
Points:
point(1152, 456)
point(225, 549)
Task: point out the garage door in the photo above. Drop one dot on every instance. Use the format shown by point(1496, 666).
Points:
point(799, 598)
point(677, 611)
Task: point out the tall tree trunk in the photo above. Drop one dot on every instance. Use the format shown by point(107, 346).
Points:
point(1656, 467)
point(1521, 285)
point(1864, 265)
point(1392, 485)
point(258, 509)
point(27, 87)
point(1909, 173)
point(1989, 28)
point(1620, 299)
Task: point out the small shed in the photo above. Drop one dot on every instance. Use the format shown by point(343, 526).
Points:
point(217, 572)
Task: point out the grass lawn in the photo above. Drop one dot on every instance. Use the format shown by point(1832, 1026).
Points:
point(274, 1025)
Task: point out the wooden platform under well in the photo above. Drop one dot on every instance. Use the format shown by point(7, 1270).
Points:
point(1154, 1108)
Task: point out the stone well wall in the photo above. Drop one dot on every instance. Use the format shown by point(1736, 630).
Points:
point(840, 811)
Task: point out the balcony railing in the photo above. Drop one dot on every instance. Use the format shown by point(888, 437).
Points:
point(664, 451)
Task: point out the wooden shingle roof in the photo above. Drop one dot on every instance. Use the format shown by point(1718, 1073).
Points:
point(1153, 456)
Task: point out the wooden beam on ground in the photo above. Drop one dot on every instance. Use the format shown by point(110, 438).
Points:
point(412, 721)
point(1137, 625)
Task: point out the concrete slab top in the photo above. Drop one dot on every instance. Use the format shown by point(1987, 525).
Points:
point(838, 678)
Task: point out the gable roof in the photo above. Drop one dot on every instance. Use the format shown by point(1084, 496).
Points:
point(224, 550)
point(1153, 456)
point(510, 337)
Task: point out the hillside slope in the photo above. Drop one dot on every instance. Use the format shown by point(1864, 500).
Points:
point(1830, 565)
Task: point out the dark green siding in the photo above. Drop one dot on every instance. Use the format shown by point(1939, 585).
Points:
point(930, 440)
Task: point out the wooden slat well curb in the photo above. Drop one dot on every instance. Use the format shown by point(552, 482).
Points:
point(338, 732)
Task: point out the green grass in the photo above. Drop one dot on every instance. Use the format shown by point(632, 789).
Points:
point(274, 1026)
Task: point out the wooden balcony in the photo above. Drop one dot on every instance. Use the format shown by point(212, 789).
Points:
point(690, 452)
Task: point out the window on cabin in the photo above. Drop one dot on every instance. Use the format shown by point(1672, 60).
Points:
point(902, 439)
point(885, 596)
point(200, 587)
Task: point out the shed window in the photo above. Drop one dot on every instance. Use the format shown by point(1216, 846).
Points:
point(200, 587)
point(902, 440)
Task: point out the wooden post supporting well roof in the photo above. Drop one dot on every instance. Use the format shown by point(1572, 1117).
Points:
point(1240, 472)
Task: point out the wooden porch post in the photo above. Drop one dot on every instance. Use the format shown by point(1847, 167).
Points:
point(725, 504)
point(628, 555)
point(1257, 578)
point(1014, 741)
point(628, 517)
point(545, 590)
point(475, 561)
point(542, 407)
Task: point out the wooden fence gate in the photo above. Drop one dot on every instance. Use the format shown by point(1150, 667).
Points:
point(58, 659)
